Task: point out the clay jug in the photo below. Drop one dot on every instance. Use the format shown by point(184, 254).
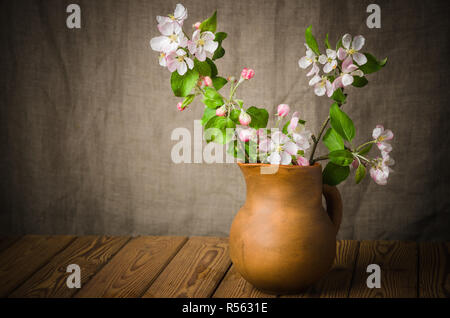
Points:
point(282, 240)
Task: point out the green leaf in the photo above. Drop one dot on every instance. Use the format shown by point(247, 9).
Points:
point(311, 40)
point(259, 116)
point(213, 67)
point(220, 36)
point(216, 130)
point(208, 113)
point(338, 44)
point(359, 81)
point(360, 173)
point(203, 68)
point(183, 85)
point(234, 115)
point(212, 98)
point(332, 140)
point(218, 53)
point(338, 96)
point(341, 123)
point(341, 157)
point(365, 150)
point(327, 44)
point(187, 100)
point(219, 82)
point(334, 174)
point(209, 24)
point(372, 64)
point(234, 149)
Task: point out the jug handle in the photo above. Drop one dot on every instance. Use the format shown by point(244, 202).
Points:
point(334, 205)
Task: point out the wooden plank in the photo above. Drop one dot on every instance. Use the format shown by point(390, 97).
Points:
point(88, 252)
point(434, 270)
point(27, 255)
point(235, 286)
point(398, 263)
point(7, 241)
point(195, 271)
point(336, 283)
point(134, 268)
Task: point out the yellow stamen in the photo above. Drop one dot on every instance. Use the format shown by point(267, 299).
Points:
point(171, 17)
point(201, 42)
point(173, 37)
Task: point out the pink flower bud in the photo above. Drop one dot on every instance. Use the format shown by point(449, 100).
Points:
point(247, 73)
point(355, 164)
point(244, 118)
point(221, 111)
point(196, 25)
point(283, 110)
point(302, 161)
point(179, 106)
point(207, 81)
point(246, 134)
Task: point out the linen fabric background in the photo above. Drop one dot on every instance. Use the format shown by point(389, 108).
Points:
point(87, 115)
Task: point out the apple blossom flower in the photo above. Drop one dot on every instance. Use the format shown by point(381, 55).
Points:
point(302, 161)
point(381, 136)
point(168, 42)
point(180, 106)
point(380, 169)
point(201, 43)
point(279, 147)
point(244, 118)
point(308, 59)
point(300, 137)
point(351, 49)
point(221, 111)
point(329, 60)
point(173, 22)
point(179, 61)
point(207, 81)
point(322, 85)
point(247, 73)
point(283, 110)
point(348, 71)
point(247, 134)
point(196, 25)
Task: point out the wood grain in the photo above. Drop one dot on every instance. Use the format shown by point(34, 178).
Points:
point(134, 268)
point(434, 270)
point(27, 255)
point(7, 241)
point(235, 286)
point(336, 284)
point(88, 252)
point(195, 271)
point(398, 263)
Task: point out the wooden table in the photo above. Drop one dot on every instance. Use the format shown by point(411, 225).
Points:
point(164, 266)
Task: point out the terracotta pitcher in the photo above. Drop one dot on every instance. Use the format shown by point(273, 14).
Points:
point(282, 240)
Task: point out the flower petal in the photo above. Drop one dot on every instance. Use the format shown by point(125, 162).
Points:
point(189, 62)
point(346, 41)
point(359, 58)
point(358, 42)
point(347, 79)
point(327, 68)
point(304, 62)
point(346, 64)
point(314, 80)
point(285, 158)
point(387, 134)
point(341, 54)
point(274, 158)
point(201, 55)
point(314, 70)
point(182, 68)
point(320, 90)
point(331, 54)
point(159, 43)
point(322, 59)
point(211, 46)
point(291, 148)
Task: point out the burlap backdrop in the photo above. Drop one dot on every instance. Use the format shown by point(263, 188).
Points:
point(87, 115)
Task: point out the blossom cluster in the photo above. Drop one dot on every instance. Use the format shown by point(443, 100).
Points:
point(176, 50)
point(339, 66)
